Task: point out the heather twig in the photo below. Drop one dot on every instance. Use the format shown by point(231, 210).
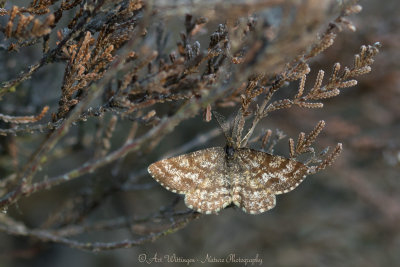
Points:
point(299, 69)
point(24, 119)
point(15, 228)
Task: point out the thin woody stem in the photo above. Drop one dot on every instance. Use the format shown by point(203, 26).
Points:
point(167, 125)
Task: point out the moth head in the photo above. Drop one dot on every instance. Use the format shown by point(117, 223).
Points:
point(230, 149)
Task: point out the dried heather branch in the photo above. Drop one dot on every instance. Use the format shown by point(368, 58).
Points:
point(24, 119)
point(189, 109)
point(335, 26)
point(361, 66)
point(24, 28)
point(79, 207)
point(48, 144)
point(335, 72)
point(266, 138)
point(262, 110)
point(106, 145)
point(301, 87)
point(299, 68)
point(38, 7)
point(292, 152)
point(118, 223)
point(86, 65)
point(329, 159)
point(324, 43)
point(317, 85)
point(76, 30)
point(19, 229)
point(300, 141)
point(91, 112)
point(304, 143)
point(279, 104)
point(309, 104)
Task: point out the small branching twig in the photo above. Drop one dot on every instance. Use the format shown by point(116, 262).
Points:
point(26, 26)
point(104, 140)
point(299, 69)
point(188, 110)
point(304, 142)
point(318, 91)
point(16, 228)
point(328, 160)
point(24, 119)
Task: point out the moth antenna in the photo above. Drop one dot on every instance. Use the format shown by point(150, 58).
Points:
point(225, 126)
point(238, 125)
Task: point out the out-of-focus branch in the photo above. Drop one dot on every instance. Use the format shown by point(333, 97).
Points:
point(166, 125)
point(19, 229)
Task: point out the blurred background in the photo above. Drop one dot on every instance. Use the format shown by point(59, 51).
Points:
point(347, 215)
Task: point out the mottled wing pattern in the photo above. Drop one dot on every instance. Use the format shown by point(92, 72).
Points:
point(200, 175)
point(260, 176)
point(208, 199)
point(252, 198)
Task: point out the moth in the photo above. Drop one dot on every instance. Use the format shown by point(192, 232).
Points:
point(213, 178)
